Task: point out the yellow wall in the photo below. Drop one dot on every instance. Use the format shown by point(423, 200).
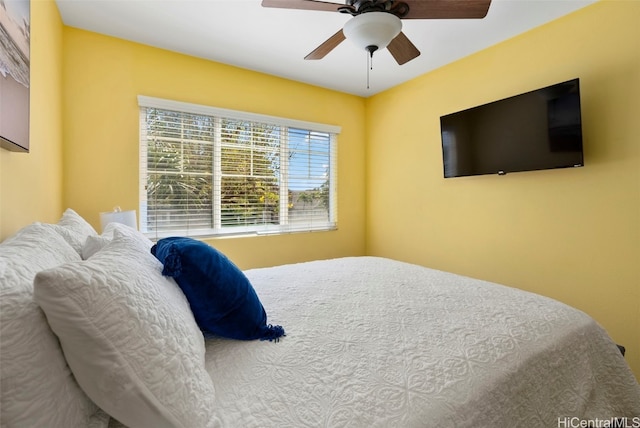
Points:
point(571, 234)
point(31, 184)
point(103, 77)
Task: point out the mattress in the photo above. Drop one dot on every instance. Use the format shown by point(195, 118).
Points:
point(373, 342)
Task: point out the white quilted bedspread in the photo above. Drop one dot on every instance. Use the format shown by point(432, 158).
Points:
point(373, 342)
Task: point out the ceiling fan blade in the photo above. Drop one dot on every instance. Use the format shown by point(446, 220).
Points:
point(447, 9)
point(402, 49)
point(327, 46)
point(303, 5)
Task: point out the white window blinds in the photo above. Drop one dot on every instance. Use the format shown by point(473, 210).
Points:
point(210, 171)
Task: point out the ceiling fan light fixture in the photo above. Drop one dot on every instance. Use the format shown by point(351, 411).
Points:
point(372, 29)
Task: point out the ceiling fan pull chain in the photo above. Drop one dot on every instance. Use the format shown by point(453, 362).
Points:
point(369, 67)
point(370, 50)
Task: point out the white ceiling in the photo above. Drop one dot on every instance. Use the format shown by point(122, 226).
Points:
point(275, 41)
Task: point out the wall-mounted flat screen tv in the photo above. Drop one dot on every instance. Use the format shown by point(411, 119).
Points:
point(540, 129)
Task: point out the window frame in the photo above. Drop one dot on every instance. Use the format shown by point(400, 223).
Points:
point(220, 114)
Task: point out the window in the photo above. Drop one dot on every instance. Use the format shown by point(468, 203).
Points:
point(211, 171)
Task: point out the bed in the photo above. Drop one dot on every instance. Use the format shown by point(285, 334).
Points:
point(370, 342)
point(373, 342)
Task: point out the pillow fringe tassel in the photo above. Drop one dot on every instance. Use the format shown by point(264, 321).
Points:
point(273, 333)
point(172, 264)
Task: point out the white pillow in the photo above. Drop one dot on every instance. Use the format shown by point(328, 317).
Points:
point(95, 243)
point(130, 337)
point(74, 229)
point(37, 388)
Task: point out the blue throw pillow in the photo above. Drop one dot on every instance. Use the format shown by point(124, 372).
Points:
point(222, 299)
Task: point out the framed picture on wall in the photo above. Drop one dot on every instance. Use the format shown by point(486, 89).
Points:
point(14, 74)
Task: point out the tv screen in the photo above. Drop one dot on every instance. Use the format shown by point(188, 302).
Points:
point(540, 129)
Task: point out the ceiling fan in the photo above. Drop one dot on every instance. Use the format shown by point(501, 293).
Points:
point(376, 24)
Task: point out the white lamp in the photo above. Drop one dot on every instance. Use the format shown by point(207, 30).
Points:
point(118, 216)
point(372, 30)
